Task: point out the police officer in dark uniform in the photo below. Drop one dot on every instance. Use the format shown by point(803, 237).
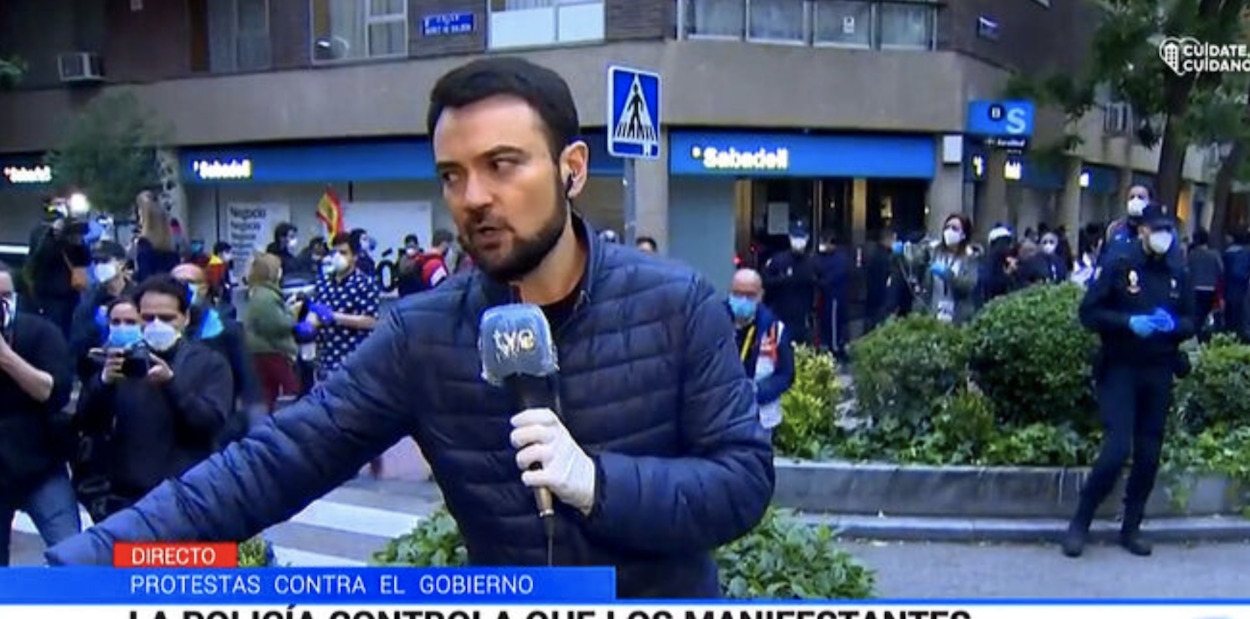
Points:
point(1141, 305)
point(1122, 234)
point(790, 280)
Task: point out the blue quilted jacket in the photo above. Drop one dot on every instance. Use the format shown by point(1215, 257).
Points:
point(651, 387)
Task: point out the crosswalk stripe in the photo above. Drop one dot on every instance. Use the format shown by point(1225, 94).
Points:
point(301, 558)
point(362, 520)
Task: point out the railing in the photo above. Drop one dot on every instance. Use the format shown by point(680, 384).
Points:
point(859, 24)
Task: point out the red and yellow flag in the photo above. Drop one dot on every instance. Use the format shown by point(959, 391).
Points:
point(330, 213)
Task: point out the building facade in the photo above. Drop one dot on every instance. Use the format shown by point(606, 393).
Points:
point(843, 114)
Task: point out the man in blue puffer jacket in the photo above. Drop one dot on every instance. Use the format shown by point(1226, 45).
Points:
point(658, 457)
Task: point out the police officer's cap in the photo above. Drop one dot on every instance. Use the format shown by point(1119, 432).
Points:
point(1158, 215)
point(798, 230)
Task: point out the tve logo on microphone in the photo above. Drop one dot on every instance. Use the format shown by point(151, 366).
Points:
point(512, 343)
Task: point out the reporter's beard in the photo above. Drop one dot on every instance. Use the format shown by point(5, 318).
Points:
point(527, 253)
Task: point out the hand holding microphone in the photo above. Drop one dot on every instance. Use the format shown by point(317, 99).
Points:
point(519, 354)
point(563, 468)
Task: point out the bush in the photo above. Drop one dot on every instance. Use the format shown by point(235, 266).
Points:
point(807, 427)
point(256, 552)
point(780, 558)
point(1214, 394)
point(435, 542)
point(963, 425)
point(903, 367)
point(1031, 356)
point(786, 559)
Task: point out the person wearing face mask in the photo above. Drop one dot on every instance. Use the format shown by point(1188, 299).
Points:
point(1142, 308)
point(1000, 270)
point(345, 305)
point(36, 378)
point(168, 418)
point(420, 271)
point(210, 326)
point(1237, 282)
point(1122, 234)
point(364, 258)
point(949, 284)
point(835, 266)
point(790, 281)
point(1049, 265)
point(220, 275)
point(91, 316)
point(763, 344)
point(285, 245)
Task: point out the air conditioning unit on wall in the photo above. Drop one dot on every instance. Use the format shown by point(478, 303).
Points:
point(76, 67)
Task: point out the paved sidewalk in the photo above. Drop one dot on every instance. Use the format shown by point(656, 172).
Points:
point(925, 570)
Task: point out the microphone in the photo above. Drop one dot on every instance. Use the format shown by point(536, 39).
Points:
point(519, 354)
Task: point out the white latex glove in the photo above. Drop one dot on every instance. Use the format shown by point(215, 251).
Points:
point(567, 471)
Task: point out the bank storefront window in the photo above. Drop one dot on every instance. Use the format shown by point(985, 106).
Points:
point(843, 23)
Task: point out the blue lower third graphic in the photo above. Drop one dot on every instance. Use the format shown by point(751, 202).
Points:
point(94, 586)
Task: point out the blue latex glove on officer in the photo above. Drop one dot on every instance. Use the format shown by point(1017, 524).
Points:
point(939, 269)
point(1143, 326)
point(1163, 321)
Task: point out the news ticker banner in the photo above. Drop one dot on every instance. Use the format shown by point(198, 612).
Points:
point(94, 586)
point(771, 610)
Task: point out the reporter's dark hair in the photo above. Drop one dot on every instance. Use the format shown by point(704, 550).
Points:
point(543, 89)
point(648, 240)
point(165, 283)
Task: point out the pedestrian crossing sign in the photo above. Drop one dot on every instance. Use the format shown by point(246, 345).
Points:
point(633, 113)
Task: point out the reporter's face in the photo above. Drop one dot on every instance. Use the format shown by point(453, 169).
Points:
point(502, 183)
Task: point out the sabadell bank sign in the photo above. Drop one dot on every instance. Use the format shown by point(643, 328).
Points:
point(713, 158)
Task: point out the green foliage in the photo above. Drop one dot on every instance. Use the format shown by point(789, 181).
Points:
point(256, 552)
point(435, 542)
point(109, 153)
point(780, 559)
point(1031, 356)
point(904, 366)
point(11, 71)
point(1215, 393)
point(807, 425)
point(785, 559)
point(1220, 449)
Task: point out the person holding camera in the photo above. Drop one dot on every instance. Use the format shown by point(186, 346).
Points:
point(36, 378)
point(160, 399)
point(91, 317)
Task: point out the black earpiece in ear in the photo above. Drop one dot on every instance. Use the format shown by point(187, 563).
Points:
point(568, 185)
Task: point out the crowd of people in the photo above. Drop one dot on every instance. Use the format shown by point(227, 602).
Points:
point(171, 352)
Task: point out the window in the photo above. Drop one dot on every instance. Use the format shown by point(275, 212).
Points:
point(357, 29)
point(238, 34)
point(907, 25)
point(775, 20)
point(715, 18)
point(846, 23)
point(533, 23)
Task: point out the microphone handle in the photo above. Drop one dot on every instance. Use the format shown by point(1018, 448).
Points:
point(535, 392)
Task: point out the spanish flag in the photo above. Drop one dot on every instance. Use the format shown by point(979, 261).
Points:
point(330, 212)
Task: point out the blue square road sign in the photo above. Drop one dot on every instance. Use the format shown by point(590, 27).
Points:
point(633, 113)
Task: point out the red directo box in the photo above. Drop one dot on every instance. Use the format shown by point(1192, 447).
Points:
point(175, 554)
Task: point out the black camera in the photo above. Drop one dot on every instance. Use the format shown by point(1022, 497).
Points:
point(6, 322)
point(136, 363)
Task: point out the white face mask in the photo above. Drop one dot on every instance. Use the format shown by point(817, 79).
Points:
point(105, 271)
point(339, 263)
point(1160, 241)
point(1136, 206)
point(952, 237)
point(292, 244)
point(1049, 247)
point(798, 243)
point(160, 335)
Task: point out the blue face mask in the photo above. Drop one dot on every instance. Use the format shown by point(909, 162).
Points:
point(124, 336)
point(742, 307)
